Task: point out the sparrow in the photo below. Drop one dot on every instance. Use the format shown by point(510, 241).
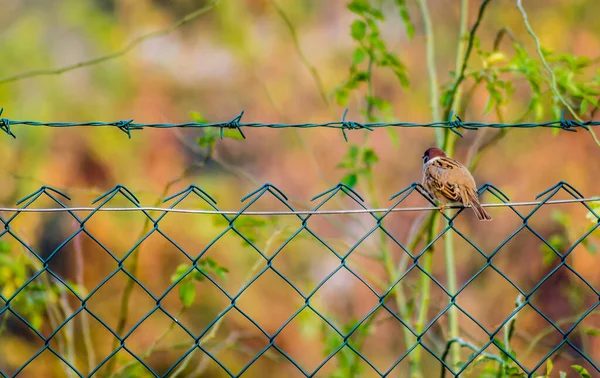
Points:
point(447, 181)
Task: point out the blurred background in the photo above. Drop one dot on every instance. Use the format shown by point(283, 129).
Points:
point(242, 55)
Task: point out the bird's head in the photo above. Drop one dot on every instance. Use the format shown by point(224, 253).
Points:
point(431, 153)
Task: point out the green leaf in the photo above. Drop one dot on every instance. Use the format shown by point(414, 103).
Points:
point(583, 107)
point(376, 13)
point(36, 320)
point(211, 262)
point(563, 374)
point(208, 138)
point(187, 293)
point(394, 138)
point(446, 98)
point(350, 179)
point(361, 76)
point(592, 331)
point(358, 30)
point(4, 247)
point(197, 274)
point(405, 16)
point(548, 366)
point(370, 156)
point(359, 56)
point(180, 271)
point(232, 134)
point(359, 6)
point(591, 247)
point(341, 96)
point(582, 372)
point(221, 271)
point(489, 105)
point(198, 117)
point(549, 256)
point(562, 218)
point(248, 221)
point(538, 109)
point(556, 110)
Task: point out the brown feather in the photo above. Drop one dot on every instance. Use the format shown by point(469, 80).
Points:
point(479, 210)
point(449, 181)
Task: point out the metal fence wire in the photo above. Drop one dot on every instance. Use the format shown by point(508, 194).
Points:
point(197, 266)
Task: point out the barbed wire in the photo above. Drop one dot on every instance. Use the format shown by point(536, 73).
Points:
point(454, 124)
point(294, 212)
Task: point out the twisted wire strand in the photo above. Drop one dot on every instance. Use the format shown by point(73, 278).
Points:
point(454, 124)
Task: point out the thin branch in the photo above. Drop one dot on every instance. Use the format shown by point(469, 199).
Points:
point(551, 329)
point(307, 64)
point(152, 348)
point(115, 54)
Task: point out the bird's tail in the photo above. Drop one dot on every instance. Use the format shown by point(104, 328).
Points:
point(478, 210)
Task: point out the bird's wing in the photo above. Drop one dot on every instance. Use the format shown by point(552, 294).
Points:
point(450, 178)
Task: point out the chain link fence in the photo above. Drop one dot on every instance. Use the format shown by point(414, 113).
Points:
point(55, 311)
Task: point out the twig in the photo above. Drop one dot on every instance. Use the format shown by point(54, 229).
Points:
point(115, 54)
point(552, 328)
point(307, 64)
point(152, 348)
point(230, 341)
point(464, 344)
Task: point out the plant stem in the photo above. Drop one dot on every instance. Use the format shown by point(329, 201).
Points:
point(434, 95)
point(463, 51)
point(425, 295)
point(388, 263)
point(85, 324)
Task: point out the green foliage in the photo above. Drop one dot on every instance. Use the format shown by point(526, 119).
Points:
point(583, 373)
point(187, 288)
point(568, 234)
point(348, 361)
point(498, 72)
point(252, 227)
point(358, 162)
point(405, 16)
point(33, 300)
point(366, 33)
point(595, 206)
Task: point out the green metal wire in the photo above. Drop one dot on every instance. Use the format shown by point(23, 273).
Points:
point(454, 124)
point(323, 198)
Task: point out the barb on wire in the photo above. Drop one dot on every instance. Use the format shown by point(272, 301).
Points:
point(454, 123)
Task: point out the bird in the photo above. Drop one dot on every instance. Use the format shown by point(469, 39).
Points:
point(447, 181)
